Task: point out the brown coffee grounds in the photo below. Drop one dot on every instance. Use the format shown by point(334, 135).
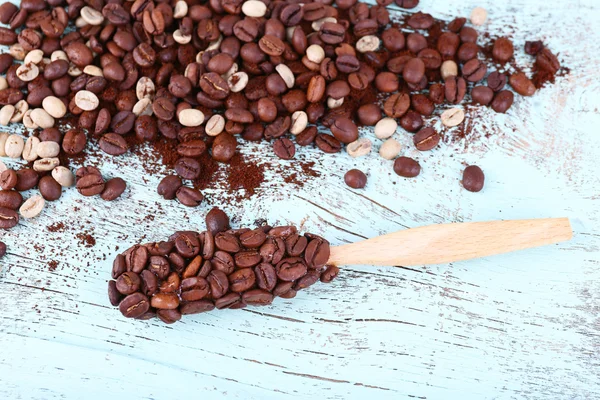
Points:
point(244, 175)
point(86, 240)
point(52, 265)
point(210, 167)
point(56, 227)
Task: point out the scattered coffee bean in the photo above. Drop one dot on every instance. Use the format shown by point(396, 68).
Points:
point(113, 189)
point(473, 178)
point(406, 167)
point(453, 117)
point(32, 207)
point(355, 178)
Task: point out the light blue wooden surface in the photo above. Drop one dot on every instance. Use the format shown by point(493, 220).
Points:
point(523, 325)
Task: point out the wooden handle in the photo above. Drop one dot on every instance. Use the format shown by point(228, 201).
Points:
point(438, 244)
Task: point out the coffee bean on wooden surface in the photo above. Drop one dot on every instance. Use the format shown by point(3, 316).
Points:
point(473, 178)
point(355, 178)
point(406, 167)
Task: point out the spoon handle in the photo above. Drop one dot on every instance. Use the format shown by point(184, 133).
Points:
point(438, 244)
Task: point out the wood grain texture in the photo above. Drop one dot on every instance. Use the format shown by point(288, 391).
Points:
point(522, 326)
point(445, 243)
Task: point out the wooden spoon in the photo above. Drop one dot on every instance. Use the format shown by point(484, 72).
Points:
point(438, 244)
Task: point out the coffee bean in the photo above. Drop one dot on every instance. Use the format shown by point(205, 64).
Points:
point(219, 284)
point(8, 218)
point(27, 179)
point(10, 199)
point(90, 185)
point(189, 197)
point(196, 307)
point(482, 94)
point(503, 50)
point(113, 144)
point(330, 274)
point(531, 47)
point(113, 189)
point(496, 81)
point(474, 70)
point(344, 130)
point(49, 188)
point(426, 139)
point(502, 101)
point(522, 84)
point(227, 242)
point(217, 221)
point(328, 143)
point(396, 105)
point(473, 178)
point(257, 297)
point(8, 179)
point(224, 147)
point(32, 207)
point(188, 168)
point(355, 178)
point(406, 167)
point(317, 253)
point(455, 89)
point(284, 148)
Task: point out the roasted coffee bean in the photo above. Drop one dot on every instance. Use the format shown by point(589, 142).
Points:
point(407, 167)
point(168, 186)
point(455, 89)
point(426, 139)
point(503, 50)
point(8, 179)
point(257, 297)
point(227, 242)
point(355, 178)
point(8, 218)
point(473, 178)
point(188, 168)
point(49, 188)
point(291, 269)
point(502, 101)
point(247, 259)
point(219, 284)
point(128, 283)
point(396, 105)
point(113, 294)
point(547, 61)
point(10, 199)
point(27, 179)
point(422, 104)
point(74, 141)
point(113, 144)
point(284, 148)
point(531, 47)
point(224, 146)
point(496, 81)
point(522, 84)
point(187, 244)
point(411, 121)
point(113, 189)
point(196, 307)
point(482, 95)
point(217, 221)
point(134, 305)
point(474, 70)
point(328, 143)
point(317, 253)
point(90, 185)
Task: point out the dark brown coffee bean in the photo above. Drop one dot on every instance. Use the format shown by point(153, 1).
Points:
point(187, 245)
point(473, 178)
point(165, 301)
point(188, 168)
point(447, 44)
point(407, 167)
point(247, 259)
point(291, 14)
point(531, 47)
point(467, 51)
point(128, 283)
point(189, 197)
point(217, 221)
point(330, 274)
point(113, 189)
point(291, 269)
point(317, 253)
point(266, 277)
point(113, 144)
point(49, 188)
point(8, 218)
point(163, 108)
point(346, 63)
point(282, 231)
point(242, 280)
point(10, 96)
point(27, 179)
point(119, 266)
point(144, 55)
point(502, 101)
point(328, 143)
point(355, 178)
point(168, 186)
point(149, 283)
point(7, 10)
point(115, 14)
point(426, 139)
point(396, 105)
point(224, 146)
point(56, 69)
point(10, 199)
point(257, 297)
point(474, 70)
point(307, 280)
point(171, 284)
point(90, 185)
point(482, 95)
point(197, 307)
point(29, 39)
point(503, 50)
point(122, 122)
point(113, 294)
point(219, 284)
point(8, 179)
point(496, 81)
point(455, 89)
point(422, 104)
point(79, 54)
point(227, 242)
point(284, 148)
point(253, 239)
point(169, 316)
point(344, 130)
point(419, 20)
point(283, 288)
point(134, 305)
point(227, 301)
point(246, 30)
point(74, 141)
point(223, 261)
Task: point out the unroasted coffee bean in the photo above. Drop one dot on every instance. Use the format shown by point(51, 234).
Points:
point(406, 167)
point(355, 178)
point(168, 186)
point(473, 178)
point(426, 139)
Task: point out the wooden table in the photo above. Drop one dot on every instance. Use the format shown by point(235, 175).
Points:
point(524, 325)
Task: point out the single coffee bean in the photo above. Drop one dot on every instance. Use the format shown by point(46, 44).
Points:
point(496, 81)
point(328, 143)
point(355, 178)
point(32, 207)
point(128, 283)
point(10, 199)
point(426, 139)
point(454, 116)
point(8, 218)
point(531, 47)
point(473, 178)
point(474, 70)
point(196, 307)
point(217, 221)
point(113, 189)
point(344, 130)
point(219, 284)
point(189, 197)
point(482, 95)
point(522, 84)
point(414, 70)
point(503, 50)
point(224, 146)
point(49, 188)
point(406, 167)
point(317, 253)
point(502, 101)
point(188, 168)
point(74, 141)
point(8, 179)
point(227, 242)
point(330, 274)
point(90, 185)
point(284, 148)
point(113, 294)
point(455, 89)
point(113, 144)
point(257, 297)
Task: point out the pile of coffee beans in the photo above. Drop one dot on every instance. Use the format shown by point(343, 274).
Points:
point(200, 73)
point(195, 272)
